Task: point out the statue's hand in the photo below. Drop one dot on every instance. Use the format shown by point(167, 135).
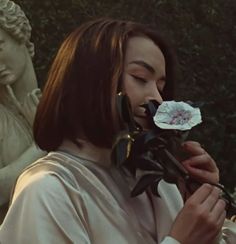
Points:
point(30, 105)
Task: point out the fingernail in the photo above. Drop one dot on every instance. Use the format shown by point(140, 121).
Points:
point(208, 185)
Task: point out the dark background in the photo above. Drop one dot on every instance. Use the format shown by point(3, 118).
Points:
point(203, 34)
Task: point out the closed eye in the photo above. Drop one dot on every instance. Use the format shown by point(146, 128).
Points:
point(139, 79)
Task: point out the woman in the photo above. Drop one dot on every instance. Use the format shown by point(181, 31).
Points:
point(75, 194)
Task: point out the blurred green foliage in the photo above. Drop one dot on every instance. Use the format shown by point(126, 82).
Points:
point(204, 36)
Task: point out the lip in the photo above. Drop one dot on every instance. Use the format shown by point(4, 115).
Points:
point(6, 77)
point(2, 68)
point(4, 73)
point(140, 112)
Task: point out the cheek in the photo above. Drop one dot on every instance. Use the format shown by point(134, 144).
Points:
point(17, 66)
point(130, 88)
point(3, 59)
point(7, 74)
point(15, 57)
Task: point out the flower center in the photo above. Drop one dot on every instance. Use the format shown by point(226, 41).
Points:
point(180, 117)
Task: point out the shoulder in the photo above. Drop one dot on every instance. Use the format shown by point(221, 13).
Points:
point(46, 192)
point(45, 177)
point(46, 204)
point(41, 186)
point(76, 179)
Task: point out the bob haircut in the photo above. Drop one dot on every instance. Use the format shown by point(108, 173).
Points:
point(84, 79)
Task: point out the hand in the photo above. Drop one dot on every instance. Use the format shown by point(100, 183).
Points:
point(200, 165)
point(201, 218)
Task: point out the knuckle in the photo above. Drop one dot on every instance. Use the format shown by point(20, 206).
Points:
point(201, 215)
point(203, 151)
point(207, 157)
point(206, 186)
point(213, 225)
point(191, 204)
point(215, 193)
point(196, 143)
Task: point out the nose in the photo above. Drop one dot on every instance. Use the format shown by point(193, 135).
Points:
point(153, 94)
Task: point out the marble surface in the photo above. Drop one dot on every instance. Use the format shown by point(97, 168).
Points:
point(19, 96)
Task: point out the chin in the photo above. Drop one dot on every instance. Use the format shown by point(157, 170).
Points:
point(7, 80)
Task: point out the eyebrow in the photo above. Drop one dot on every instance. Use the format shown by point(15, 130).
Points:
point(145, 65)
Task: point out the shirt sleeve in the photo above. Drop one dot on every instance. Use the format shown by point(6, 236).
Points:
point(228, 235)
point(228, 232)
point(169, 240)
point(42, 212)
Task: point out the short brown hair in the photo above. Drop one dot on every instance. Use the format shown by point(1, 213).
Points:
point(83, 80)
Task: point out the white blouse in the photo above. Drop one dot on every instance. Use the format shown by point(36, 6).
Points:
point(63, 199)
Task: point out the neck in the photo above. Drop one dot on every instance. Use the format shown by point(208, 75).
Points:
point(98, 155)
point(27, 82)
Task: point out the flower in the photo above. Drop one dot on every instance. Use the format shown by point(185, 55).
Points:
point(177, 116)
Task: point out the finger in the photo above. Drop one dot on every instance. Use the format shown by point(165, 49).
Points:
point(217, 223)
point(221, 219)
point(203, 161)
point(218, 209)
point(201, 193)
point(203, 175)
point(212, 199)
point(193, 147)
point(202, 168)
point(192, 143)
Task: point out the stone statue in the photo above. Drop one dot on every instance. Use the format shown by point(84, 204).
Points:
point(19, 95)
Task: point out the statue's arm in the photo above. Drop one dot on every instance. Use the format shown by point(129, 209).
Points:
point(9, 173)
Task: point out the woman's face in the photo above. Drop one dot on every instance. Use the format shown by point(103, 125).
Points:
point(144, 75)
